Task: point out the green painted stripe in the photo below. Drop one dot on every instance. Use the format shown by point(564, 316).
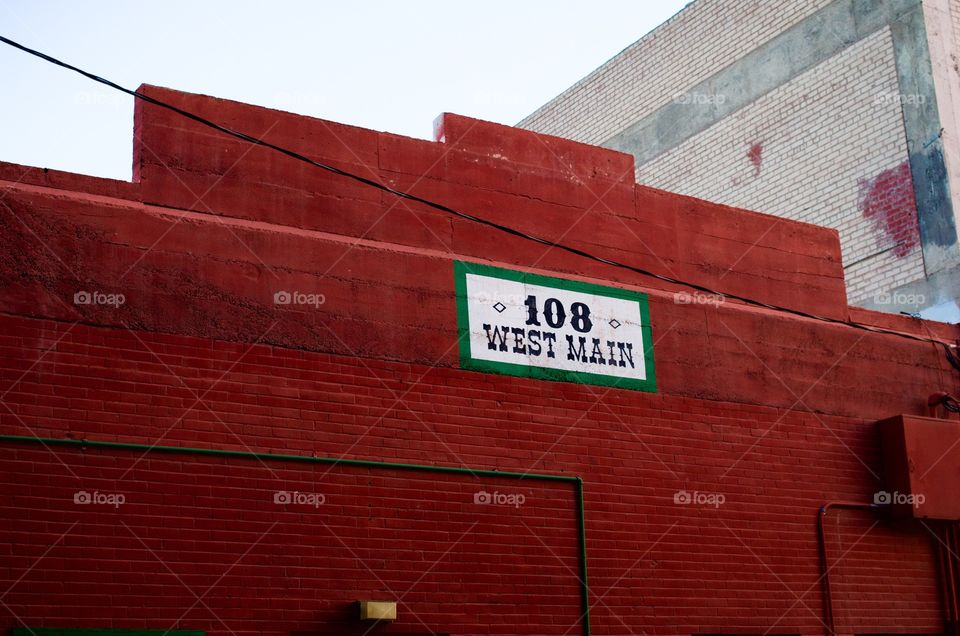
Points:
point(87, 443)
point(216, 452)
point(84, 631)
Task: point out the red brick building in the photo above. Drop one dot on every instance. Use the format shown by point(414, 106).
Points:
point(227, 387)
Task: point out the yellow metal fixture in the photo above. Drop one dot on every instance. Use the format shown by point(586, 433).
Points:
point(378, 611)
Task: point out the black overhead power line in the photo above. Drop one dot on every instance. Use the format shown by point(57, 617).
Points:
point(470, 217)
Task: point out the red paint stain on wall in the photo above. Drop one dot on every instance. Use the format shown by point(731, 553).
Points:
point(755, 155)
point(887, 199)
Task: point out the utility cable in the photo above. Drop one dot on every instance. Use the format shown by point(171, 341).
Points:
point(467, 216)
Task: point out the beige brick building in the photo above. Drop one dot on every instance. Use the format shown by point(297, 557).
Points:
point(842, 113)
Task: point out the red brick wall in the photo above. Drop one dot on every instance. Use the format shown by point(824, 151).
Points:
point(772, 412)
point(210, 528)
point(684, 568)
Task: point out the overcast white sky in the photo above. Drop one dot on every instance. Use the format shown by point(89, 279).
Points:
point(384, 65)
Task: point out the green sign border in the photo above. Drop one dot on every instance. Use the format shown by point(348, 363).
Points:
point(467, 361)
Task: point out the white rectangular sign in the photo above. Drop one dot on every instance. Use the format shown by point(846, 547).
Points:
point(551, 328)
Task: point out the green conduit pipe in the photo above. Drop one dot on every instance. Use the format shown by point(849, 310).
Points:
point(363, 463)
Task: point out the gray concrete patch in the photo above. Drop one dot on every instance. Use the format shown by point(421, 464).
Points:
point(796, 50)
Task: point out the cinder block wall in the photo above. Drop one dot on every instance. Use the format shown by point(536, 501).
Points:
point(827, 146)
point(706, 36)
